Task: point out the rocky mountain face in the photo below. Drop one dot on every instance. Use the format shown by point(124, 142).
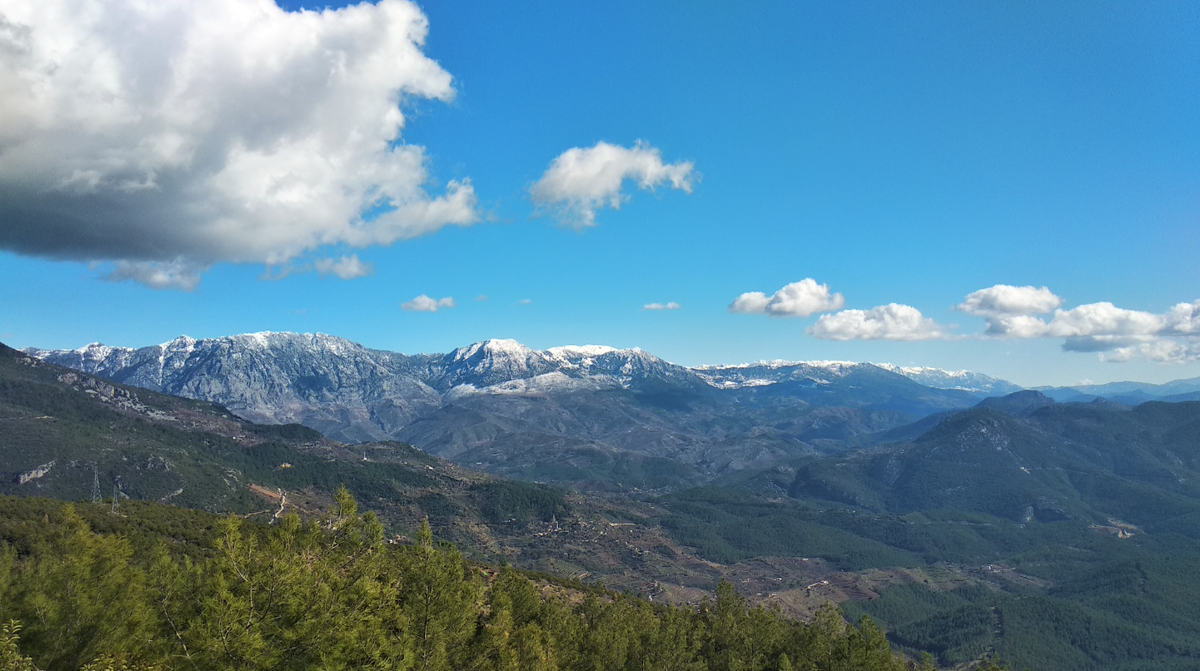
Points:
point(579, 414)
point(954, 379)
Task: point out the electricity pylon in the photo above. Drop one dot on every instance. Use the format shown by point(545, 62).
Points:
point(116, 507)
point(96, 497)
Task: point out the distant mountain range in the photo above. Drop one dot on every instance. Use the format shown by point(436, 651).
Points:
point(590, 416)
point(578, 414)
point(1128, 393)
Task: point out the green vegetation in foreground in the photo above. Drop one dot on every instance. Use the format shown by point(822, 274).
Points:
point(171, 589)
point(1093, 601)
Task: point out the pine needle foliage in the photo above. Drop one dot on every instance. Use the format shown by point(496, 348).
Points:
point(333, 595)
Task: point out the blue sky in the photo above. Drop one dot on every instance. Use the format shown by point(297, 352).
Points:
point(906, 153)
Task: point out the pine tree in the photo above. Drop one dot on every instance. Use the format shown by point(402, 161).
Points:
point(440, 599)
point(80, 596)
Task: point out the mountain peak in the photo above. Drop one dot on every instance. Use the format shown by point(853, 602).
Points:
point(571, 351)
point(495, 347)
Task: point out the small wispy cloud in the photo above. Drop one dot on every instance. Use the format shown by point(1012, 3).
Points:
point(424, 303)
point(346, 268)
point(524, 301)
point(179, 274)
point(480, 298)
point(661, 306)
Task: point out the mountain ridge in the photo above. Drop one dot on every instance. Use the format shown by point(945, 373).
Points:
point(100, 356)
point(590, 416)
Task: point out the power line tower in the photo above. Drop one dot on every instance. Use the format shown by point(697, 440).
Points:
point(96, 497)
point(116, 507)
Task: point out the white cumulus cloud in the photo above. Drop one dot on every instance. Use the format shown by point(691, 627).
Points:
point(661, 306)
point(163, 137)
point(581, 181)
point(798, 299)
point(1104, 319)
point(1008, 310)
point(886, 322)
point(1183, 319)
point(1114, 334)
point(1007, 299)
point(424, 303)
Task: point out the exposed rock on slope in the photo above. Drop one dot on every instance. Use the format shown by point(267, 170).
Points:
point(577, 413)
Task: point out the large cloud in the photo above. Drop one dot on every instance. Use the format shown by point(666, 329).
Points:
point(1103, 319)
point(886, 322)
point(581, 181)
point(1117, 334)
point(167, 136)
point(798, 299)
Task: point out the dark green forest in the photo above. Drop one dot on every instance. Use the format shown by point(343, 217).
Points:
point(158, 587)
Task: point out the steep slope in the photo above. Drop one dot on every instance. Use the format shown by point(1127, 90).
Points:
point(344, 390)
point(64, 432)
point(1049, 462)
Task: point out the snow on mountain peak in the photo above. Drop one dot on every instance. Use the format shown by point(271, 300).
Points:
point(919, 370)
point(493, 348)
point(952, 379)
point(182, 343)
point(93, 352)
point(779, 363)
point(94, 347)
point(506, 346)
point(500, 365)
point(569, 351)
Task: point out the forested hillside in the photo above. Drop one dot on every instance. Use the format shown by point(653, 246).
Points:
point(164, 588)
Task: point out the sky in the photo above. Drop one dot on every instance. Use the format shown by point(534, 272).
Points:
point(1011, 188)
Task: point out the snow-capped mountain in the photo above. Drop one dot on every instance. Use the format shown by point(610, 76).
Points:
point(505, 407)
point(954, 379)
point(333, 385)
point(487, 364)
point(763, 373)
